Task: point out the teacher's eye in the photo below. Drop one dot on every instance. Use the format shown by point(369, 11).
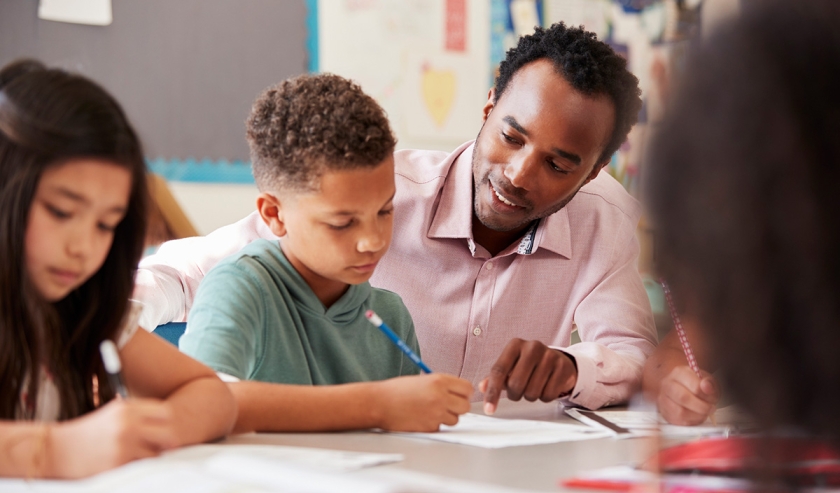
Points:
point(558, 168)
point(386, 212)
point(509, 139)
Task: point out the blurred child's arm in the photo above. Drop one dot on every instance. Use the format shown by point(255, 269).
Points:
point(174, 401)
point(23, 449)
point(682, 397)
point(114, 434)
point(411, 403)
point(202, 406)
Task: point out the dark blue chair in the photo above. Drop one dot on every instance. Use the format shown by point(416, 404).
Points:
point(172, 331)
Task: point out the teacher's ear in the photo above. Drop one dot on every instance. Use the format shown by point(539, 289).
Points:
point(488, 106)
point(595, 170)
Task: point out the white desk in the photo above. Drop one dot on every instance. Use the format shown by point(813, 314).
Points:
point(428, 466)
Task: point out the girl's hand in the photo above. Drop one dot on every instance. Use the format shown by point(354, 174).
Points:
point(422, 402)
point(117, 433)
point(687, 399)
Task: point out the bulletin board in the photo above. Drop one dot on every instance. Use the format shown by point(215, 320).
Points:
point(424, 61)
point(185, 71)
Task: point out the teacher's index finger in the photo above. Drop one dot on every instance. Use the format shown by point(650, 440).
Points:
point(497, 379)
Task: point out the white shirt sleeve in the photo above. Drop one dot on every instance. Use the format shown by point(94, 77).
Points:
point(130, 323)
point(167, 281)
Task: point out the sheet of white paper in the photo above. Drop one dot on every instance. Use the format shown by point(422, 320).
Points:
point(271, 476)
point(325, 459)
point(647, 422)
point(263, 474)
point(483, 431)
point(241, 471)
point(226, 468)
point(155, 475)
point(93, 12)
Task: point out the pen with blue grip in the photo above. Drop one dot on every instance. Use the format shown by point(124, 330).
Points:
point(375, 320)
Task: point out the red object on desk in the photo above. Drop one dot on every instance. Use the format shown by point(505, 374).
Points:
point(597, 484)
point(797, 461)
point(791, 458)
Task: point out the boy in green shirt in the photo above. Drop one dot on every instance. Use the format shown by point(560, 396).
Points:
point(284, 321)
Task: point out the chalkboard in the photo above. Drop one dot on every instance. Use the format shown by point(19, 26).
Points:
point(186, 71)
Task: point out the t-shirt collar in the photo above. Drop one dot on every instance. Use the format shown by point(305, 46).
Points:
point(344, 311)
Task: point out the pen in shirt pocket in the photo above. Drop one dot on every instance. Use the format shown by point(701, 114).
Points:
point(375, 320)
point(111, 360)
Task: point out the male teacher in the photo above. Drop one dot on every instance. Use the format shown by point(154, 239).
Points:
point(505, 245)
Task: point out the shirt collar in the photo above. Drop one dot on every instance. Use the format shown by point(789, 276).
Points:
point(454, 213)
point(453, 217)
point(555, 234)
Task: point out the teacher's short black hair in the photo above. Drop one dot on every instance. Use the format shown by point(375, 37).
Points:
point(589, 65)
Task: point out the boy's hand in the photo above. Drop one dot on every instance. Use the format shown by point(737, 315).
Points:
point(423, 402)
point(117, 433)
point(528, 369)
point(686, 399)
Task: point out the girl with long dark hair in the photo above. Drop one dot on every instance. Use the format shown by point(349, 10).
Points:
point(743, 190)
point(72, 225)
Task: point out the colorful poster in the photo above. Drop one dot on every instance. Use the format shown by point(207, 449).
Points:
point(424, 61)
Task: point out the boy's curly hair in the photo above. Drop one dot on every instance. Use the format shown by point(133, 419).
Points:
point(312, 123)
point(589, 65)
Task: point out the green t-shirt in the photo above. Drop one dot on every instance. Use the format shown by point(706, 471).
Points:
point(255, 318)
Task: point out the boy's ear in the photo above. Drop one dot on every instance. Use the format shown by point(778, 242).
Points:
point(271, 210)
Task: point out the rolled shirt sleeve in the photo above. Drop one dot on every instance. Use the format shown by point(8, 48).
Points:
point(617, 334)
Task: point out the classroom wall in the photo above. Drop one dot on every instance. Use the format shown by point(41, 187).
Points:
point(186, 72)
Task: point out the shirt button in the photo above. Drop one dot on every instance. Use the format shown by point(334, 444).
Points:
point(477, 330)
point(489, 265)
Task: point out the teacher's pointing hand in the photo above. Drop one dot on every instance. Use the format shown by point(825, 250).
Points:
point(529, 369)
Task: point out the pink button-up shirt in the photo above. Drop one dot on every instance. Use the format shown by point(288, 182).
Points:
point(467, 305)
point(577, 268)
